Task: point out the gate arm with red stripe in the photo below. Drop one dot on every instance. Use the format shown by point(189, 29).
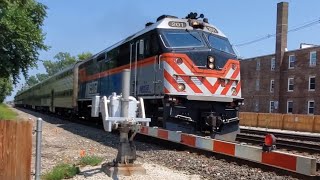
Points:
point(291, 162)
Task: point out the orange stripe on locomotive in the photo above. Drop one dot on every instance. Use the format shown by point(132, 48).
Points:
point(185, 74)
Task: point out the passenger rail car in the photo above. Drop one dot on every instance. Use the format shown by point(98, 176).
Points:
point(184, 68)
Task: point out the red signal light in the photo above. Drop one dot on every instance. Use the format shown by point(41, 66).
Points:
point(269, 140)
point(269, 143)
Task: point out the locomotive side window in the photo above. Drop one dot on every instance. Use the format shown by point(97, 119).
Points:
point(112, 58)
point(140, 48)
point(90, 68)
point(154, 44)
point(147, 52)
point(124, 55)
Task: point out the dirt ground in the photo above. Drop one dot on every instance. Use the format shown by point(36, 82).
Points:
point(63, 141)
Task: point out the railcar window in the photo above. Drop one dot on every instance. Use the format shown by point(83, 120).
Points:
point(113, 54)
point(124, 54)
point(154, 44)
point(220, 43)
point(147, 47)
point(183, 39)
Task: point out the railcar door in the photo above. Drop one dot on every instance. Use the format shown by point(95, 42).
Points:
point(158, 66)
point(143, 69)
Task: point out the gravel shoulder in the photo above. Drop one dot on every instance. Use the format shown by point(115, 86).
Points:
point(63, 141)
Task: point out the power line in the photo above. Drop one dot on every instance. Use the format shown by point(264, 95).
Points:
point(296, 28)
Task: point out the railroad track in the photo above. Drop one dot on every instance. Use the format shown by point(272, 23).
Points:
point(177, 146)
point(281, 144)
point(282, 135)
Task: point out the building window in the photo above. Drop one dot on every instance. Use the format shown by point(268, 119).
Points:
point(271, 85)
point(256, 106)
point(312, 83)
point(310, 107)
point(273, 64)
point(313, 58)
point(271, 107)
point(257, 85)
point(292, 59)
point(289, 106)
point(258, 64)
point(290, 84)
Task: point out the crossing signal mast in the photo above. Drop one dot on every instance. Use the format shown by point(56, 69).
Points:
point(124, 113)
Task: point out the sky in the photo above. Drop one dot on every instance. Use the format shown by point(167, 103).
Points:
point(77, 26)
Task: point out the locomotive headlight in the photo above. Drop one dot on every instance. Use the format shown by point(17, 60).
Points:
point(234, 91)
point(181, 87)
point(211, 65)
point(195, 23)
point(211, 59)
point(210, 62)
point(178, 61)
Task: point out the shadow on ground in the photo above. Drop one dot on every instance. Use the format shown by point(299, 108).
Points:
point(96, 133)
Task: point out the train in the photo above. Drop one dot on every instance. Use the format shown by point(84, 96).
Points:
point(185, 69)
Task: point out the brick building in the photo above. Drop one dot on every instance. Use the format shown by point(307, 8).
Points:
point(284, 82)
point(297, 91)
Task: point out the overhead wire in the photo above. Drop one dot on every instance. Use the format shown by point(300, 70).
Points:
point(294, 29)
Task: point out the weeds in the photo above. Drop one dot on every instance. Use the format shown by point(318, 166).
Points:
point(90, 160)
point(61, 171)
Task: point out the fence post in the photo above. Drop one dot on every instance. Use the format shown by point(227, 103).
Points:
point(257, 117)
point(313, 124)
point(38, 149)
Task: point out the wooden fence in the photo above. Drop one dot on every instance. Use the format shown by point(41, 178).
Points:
point(15, 149)
point(294, 122)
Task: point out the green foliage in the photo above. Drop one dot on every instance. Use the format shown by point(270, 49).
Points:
point(63, 60)
point(21, 36)
point(5, 88)
point(61, 171)
point(84, 56)
point(90, 160)
point(42, 77)
point(6, 113)
point(32, 80)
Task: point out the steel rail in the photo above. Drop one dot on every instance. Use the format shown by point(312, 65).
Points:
point(180, 147)
point(281, 144)
point(282, 135)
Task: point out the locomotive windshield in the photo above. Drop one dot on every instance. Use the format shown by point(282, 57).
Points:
point(183, 39)
point(220, 43)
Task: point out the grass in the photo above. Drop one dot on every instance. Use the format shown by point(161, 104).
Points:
point(65, 171)
point(61, 171)
point(6, 113)
point(90, 160)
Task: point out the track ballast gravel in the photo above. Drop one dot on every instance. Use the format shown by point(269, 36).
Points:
point(63, 141)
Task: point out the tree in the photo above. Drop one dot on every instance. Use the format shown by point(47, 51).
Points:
point(32, 80)
point(63, 60)
point(5, 88)
point(42, 77)
point(21, 36)
point(84, 56)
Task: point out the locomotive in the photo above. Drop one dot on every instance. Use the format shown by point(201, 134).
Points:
point(185, 69)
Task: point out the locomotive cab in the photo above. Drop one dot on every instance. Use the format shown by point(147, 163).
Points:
point(202, 91)
point(184, 69)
